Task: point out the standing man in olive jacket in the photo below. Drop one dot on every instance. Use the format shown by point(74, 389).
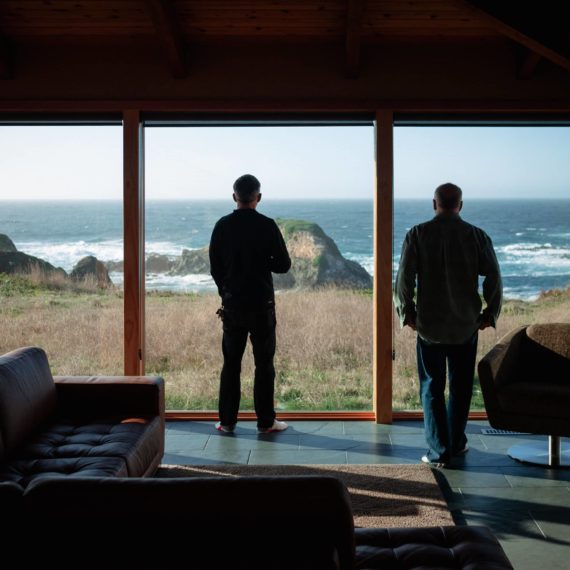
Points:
point(444, 258)
point(246, 247)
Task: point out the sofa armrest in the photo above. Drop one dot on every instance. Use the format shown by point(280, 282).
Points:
point(94, 396)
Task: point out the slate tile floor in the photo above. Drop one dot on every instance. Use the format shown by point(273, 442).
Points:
point(528, 508)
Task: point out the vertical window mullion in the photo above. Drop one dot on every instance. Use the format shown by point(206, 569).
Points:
point(133, 249)
point(383, 229)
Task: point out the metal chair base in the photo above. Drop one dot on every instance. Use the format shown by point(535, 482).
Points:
point(552, 455)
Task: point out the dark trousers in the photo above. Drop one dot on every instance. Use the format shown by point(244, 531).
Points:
point(445, 427)
point(260, 325)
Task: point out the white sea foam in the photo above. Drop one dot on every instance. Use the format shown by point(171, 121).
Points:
point(543, 257)
point(166, 248)
point(66, 255)
point(198, 283)
point(185, 283)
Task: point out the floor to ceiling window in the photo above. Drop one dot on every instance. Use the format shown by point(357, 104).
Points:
point(516, 186)
point(61, 244)
point(317, 182)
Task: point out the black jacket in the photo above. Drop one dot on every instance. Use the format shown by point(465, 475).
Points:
point(246, 247)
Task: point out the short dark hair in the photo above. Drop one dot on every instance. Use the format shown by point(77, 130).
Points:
point(448, 196)
point(246, 187)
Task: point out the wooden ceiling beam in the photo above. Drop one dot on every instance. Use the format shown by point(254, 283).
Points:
point(355, 9)
point(6, 58)
point(515, 34)
point(527, 61)
point(169, 34)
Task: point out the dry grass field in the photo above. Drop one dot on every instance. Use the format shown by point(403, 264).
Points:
point(324, 352)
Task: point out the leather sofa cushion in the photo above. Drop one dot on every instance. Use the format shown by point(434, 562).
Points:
point(27, 395)
point(137, 441)
point(24, 471)
point(457, 547)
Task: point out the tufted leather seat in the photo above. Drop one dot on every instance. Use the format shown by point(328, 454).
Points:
point(421, 548)
point(106, 448)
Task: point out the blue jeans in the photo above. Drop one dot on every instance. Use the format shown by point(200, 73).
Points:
point(445, 426)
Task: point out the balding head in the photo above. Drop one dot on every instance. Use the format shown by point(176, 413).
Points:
point(447, 197)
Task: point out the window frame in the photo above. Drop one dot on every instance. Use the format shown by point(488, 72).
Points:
point(135, 115)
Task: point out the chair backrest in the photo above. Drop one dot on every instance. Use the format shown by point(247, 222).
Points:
point(546, 353)
point(555, 337)
point(27, 395)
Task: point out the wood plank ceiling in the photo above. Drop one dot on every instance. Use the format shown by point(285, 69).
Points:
point(176, 25)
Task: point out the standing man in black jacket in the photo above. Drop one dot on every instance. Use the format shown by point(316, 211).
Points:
point(246, 247)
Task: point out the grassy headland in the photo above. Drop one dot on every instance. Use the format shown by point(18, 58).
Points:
point(324, 352)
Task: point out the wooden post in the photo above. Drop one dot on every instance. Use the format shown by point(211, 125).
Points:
point(383, 232)
point(133, 213)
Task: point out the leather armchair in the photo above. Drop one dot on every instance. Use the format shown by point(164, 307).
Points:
point(525, 380)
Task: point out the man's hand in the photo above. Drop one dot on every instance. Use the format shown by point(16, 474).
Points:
point(484, 324)
point(410, 321)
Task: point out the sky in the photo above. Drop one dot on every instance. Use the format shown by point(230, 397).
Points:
point(79, 162)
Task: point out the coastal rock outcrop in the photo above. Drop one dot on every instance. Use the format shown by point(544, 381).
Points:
point(191, 262)
point(17, 262)
point(158, 263)
point(118, 266)
point(6, 244)
point(21, 263)
point(154, 263)
point(316, 260)
point(90, 268)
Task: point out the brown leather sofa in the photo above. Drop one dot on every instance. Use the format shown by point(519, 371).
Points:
point(81, 426)
point(74, 456)
point(253, 523)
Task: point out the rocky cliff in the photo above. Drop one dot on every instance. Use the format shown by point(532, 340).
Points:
point(14, 261)
point(17, 262)
point(316, 261)
point(192, 261)
point(6, 244)
point(90, 268)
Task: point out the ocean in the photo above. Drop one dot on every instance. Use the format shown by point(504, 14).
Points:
point(531, 237)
